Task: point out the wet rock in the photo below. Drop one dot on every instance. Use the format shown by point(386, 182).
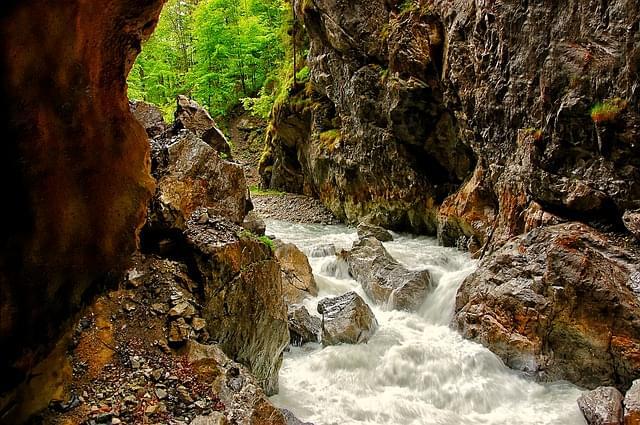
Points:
point(254, 223)
point(150, 116)
point(297, 277)
point(385, 280)
point(243, 303)
point(602, 406)
point(560, 302)
point(195, 176)
point(303, 327)
point(631, 221)
point(371, 231)
point(292, 419)
point(346, 319)
point(191, 116)
point(632, 404)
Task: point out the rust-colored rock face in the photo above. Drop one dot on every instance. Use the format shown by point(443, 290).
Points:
point(75, 174)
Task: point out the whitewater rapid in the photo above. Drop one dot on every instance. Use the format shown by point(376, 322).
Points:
point(415, 369)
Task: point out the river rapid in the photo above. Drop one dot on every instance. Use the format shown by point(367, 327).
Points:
point(415, 369)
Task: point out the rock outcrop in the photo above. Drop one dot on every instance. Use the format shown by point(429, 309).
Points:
point(150, 116)
point(298, 282)
point(243, 302)
point(75, 167)
point(193, 117)
point(602, 406)
point(383, 279)
point(303, 327)
point(560, 302)
point(191, 175)
point(346, 319)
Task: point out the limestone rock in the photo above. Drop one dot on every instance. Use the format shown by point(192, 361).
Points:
point(346, 319)
point(193, 117)
point(149, 116)
point(371, 231)
point(243, 304)
point(560, 302)
point(385, 280)
point(602, 406)
point(631, 221)
point(632, 404)
point(303, 327)
point(297, 277)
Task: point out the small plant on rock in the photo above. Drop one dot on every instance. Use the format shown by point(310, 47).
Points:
point(608, 110)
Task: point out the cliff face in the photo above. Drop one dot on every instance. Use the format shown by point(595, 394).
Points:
point(75, 174)
point(421, 93)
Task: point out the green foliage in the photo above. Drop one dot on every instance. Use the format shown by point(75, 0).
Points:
point(608, 110)
point(268, 242)
point(216, 51)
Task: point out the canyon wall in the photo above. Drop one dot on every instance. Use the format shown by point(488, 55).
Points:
point(75, 176)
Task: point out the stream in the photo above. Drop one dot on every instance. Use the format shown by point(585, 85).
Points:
point(415, 369)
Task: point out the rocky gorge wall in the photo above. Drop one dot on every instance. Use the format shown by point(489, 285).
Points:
point(465, 118)
point(75, 172)
point(480, 122)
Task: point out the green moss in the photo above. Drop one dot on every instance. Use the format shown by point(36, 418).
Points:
point(246, 234)
point(268, 242)
point(258, 191)
point(330, 139)
point(609, 110)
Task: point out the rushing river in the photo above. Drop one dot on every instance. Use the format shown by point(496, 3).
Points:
point(415, 369)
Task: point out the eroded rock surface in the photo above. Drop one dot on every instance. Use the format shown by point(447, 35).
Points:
point(602, 406)
point(297, 277)
point(383, 279)
point(243, 301)
point(346, 319)
point(560, 302)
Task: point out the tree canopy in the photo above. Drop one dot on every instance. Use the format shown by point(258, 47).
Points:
point(216, 51)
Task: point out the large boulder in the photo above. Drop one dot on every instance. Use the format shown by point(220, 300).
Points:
point(193, 117)
point(346, 319)
point(149, 116)
point(297, 277)
point(560, 302)
point(602, 406)
point(384, 280)
point(632, 405)
point(303, 327)
point(192, 175)
point(243, 303)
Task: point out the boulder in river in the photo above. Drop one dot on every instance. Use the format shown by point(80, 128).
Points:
point(303, 327)
point(602, 406)
point(346, 319)
point(297, 277)
point(560, 302)
point(632, 404)
point(366, 230)
point(384, 279)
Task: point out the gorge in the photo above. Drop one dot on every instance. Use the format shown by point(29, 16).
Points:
point(138, 286)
